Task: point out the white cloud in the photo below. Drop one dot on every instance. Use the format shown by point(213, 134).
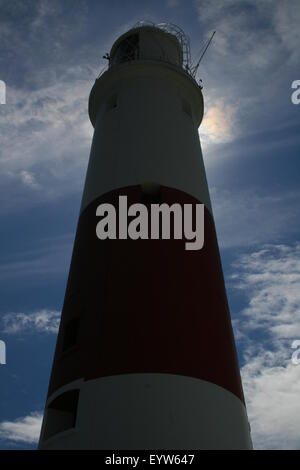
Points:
point(271, 278)
point(247, 65)
point(272, 387)
point(267, 326)
point(252, 27)
point(26, 429)
point(42, 321)
point(29, 179)
point(45, 142)
point(286, 22)
point(45, 131)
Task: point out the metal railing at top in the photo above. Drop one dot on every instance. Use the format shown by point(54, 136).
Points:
point(183, 40)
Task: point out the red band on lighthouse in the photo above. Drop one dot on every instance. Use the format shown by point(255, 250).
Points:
point(146, 305)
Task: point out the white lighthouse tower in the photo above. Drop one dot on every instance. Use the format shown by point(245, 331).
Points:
point(145, 356)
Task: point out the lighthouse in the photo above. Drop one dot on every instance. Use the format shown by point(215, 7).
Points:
point(145, 355)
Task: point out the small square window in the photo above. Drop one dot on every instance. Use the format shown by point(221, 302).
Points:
point(186, 108)
point(61, 413)
point(112, 102)
point(128, 49)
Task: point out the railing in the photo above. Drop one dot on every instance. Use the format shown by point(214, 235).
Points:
point(183, 40)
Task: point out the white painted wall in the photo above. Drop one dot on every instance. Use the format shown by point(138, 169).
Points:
point(173, 411)
point(148, 136)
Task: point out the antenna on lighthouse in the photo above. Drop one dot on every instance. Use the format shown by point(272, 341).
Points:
point(195, 68)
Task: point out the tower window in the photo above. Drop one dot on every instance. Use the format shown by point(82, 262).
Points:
point(112, 102)
point(128, 49)
point(61, 413)
point(186, 108)
point(70, 335)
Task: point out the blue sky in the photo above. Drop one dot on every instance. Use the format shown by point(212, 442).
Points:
point(51, 53)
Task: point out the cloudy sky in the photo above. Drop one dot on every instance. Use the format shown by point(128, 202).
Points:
point(51, 53)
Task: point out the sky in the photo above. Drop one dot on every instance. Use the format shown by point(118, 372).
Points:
point(51, 54)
